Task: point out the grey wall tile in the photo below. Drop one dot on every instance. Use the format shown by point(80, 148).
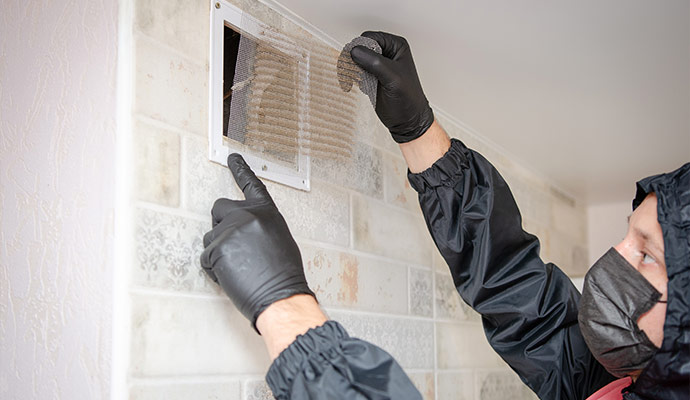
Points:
point(456, 386)
point(257, 390)
point(437, 260)
point(167, 252)
point(354, 281)
point(505, 384)
point(183, 25)
point(580, 261)
point(424, 382)
point(369, 128)
point(174, 335)
point(322, 214)
point(186, 391)
point(397, 187)
point(170, 88)
point(463, 345)
point(569, 219)
point(409, 341)
point(393, 233)
point(542, 233)
point(421, 292)
point(205, 181)
point(449, 304)
point(362, 173)
point(533, 202)
point(157, 168)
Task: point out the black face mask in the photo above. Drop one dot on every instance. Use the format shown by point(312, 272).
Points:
point(614, 297)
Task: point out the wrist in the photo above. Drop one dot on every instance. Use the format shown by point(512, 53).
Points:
point(284, 320)
point(421, 153)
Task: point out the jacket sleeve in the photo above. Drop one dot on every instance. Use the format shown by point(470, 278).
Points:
point(528, 308)
point(326, 363)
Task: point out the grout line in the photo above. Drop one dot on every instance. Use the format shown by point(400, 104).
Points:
point(138, 34)
point(161, 380)
point(351, 217)
point(418, 318)
point(187, 134)
point(183, 176)
point(383, 202)
point(418, 370)
point(359, 253)
point(172, 210)
point(157, 292)
point(409, 291)
point(434, 315)
point(475, 371)
point(164, 125)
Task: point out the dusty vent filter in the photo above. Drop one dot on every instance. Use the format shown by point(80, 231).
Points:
point(277, 96)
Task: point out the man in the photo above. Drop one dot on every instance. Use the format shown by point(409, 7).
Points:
point(634, 320)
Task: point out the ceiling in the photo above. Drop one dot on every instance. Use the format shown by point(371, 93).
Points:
point(592, 94)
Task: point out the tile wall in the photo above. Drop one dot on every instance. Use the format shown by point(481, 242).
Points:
point(366, 250)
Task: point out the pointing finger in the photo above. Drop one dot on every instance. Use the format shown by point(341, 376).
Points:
point(251, 186)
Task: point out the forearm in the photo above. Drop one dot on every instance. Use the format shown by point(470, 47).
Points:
point(423, 152)
point(284, 320)
point(529, 309)
point(324, 362)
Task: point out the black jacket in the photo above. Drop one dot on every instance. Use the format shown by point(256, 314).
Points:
point(668, 374)
point(528, 308)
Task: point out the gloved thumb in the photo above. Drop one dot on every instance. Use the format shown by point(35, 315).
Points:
point(251, 186)
point(374, 63)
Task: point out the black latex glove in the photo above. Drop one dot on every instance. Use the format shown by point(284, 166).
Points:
point(250, 251)
point(400, 101)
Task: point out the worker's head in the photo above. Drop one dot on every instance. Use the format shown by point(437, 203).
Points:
point(626, 294)
point(621, 316)
point(643, 248)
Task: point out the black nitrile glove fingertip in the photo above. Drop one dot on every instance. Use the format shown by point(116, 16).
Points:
point(359, 54)
point(251, 186)
point(236, 160)
point(374, 63)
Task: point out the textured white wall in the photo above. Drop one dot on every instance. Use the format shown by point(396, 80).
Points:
point(607, 225)
point(57, 137)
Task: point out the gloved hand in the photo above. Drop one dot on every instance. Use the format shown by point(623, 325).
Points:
point(250, 251)
point(400, 101)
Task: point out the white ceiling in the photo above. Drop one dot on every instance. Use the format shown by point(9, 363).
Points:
point(592, 94)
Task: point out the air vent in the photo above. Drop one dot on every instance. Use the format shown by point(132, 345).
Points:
point(257, 97)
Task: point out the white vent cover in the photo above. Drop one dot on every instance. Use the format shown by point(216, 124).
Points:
point(267, 100)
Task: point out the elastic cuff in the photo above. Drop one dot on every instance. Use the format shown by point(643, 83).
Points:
point(321, 340)
point(445, 170)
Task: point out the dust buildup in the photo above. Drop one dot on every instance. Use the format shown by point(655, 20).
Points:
point(265, 117)
point(349, 72)
point(287, 101)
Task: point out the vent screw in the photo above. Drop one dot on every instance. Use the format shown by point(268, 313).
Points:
point(264, 168)
point(217, 5)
